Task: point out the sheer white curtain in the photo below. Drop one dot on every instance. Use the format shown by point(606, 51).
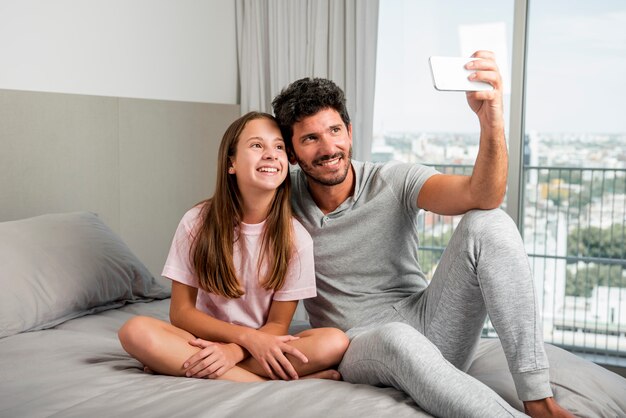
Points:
point(280, 41)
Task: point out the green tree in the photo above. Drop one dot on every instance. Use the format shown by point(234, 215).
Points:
point(582, 281)
point(596, 242)
point(593, 242)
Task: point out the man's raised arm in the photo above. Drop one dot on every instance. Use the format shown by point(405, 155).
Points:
point(455, 194)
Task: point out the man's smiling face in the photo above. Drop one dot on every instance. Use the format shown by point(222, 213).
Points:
point(322, 144)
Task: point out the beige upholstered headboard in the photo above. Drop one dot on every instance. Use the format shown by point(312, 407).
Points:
point(139, 164)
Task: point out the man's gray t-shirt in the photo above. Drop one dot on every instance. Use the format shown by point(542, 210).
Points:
point(366, 249)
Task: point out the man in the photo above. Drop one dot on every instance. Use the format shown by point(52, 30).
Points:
point(362, 217)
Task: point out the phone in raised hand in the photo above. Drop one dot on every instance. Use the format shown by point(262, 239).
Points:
point(450, 74)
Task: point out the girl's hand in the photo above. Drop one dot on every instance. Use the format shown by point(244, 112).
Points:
point(212, 361)
point(269, 350)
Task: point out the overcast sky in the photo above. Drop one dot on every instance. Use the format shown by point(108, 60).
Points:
point(576, 64)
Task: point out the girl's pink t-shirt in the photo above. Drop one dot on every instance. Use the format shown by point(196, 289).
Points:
point(252, 308)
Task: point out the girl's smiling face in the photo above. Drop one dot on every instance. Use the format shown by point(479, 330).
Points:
point(260, 163)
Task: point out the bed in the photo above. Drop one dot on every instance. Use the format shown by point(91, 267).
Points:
point(69, 282)
point(69, 278)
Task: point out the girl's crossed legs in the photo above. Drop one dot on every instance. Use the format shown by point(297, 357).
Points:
point(164, 348)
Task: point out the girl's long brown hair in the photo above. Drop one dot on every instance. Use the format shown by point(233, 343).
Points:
point(211, 252)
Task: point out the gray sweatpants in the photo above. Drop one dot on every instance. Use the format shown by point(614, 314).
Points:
point(424, 344)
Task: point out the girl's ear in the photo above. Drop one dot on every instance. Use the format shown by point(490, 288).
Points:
point(231, 170)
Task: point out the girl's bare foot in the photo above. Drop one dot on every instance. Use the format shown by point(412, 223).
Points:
point(329, 374)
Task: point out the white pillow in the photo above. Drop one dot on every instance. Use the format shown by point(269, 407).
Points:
point(61, 266)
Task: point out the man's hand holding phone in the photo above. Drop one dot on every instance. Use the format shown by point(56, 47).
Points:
point(452, 74)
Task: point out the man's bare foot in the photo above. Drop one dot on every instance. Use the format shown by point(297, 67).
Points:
point(545, 408)
point(329, 374)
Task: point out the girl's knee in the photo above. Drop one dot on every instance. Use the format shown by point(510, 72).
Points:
point(134, 332)
point(338, 343)
point(330, 345)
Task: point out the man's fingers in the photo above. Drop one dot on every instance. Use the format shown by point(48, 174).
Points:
point(480, 64)
point(490, 77)
point(484, 54)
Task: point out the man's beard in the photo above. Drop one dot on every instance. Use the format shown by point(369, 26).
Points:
point(326, 181)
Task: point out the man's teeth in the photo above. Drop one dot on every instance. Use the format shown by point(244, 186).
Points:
point(331, 162)
point(268, 170)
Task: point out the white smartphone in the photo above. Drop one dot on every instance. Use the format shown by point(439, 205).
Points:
point(450, 74)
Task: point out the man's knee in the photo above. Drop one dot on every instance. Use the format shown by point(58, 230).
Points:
point(383, 346)
point(479, 219)
point(494, 226)
point(381, 354)
point(391, 337)
point(367, 358)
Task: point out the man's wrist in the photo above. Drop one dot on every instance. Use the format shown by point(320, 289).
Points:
point(495, 133)
point(495, 126)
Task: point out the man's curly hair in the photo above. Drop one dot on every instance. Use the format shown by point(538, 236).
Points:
point(306, 97)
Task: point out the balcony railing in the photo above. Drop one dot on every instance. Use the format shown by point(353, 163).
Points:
point(574, 232)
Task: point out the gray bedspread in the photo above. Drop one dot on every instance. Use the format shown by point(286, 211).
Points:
point(78, 369)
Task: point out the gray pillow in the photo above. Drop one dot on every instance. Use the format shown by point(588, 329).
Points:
point(582, 387)
point(61, 266)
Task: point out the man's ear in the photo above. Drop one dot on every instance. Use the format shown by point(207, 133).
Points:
point(291, 156)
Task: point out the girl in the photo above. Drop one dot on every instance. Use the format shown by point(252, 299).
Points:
point(239, 263)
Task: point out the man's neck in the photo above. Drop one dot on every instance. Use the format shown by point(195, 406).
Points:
point(328, 198)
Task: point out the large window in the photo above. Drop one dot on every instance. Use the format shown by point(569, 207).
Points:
point(571, 151)
point(574, 171)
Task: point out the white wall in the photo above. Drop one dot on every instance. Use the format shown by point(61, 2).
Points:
point(154, 49)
